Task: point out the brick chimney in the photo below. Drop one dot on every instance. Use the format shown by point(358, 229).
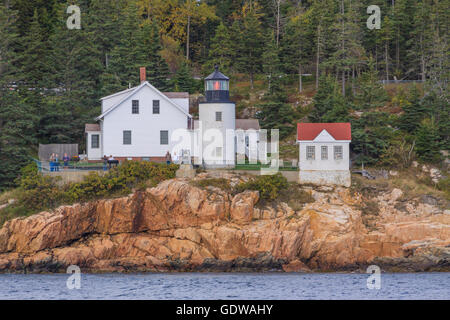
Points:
point(143, 74)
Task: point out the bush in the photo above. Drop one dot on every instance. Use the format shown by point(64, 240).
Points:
point(120, 180)
point(444, 185)
point(37, 191)
point(269, 187)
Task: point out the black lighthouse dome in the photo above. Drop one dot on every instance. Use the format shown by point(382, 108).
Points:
point(217, 87)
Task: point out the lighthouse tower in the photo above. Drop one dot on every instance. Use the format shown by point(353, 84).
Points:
point(219, 114)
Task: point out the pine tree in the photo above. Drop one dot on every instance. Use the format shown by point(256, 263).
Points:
point(329, 104)
point(139, 46)
point(183, 79)
point(271, 61)
point(413, 112)
point(251, 45)
point(276, 112)
point(221, 51)
point(428, 143)
point(156, 65)
point(17, 120)
point(33, 60)
point(297, 45)
point(371, 93)
point(17, 123)
point(76, 68)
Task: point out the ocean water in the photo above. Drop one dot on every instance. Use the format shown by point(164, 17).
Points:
point(203, 286)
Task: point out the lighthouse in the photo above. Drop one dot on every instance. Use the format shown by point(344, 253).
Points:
point(217, 116)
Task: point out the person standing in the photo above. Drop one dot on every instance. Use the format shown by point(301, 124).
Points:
point(175, 158)
point(52, 162)
point(105, 162)
point(56, 162)
point(66, 160)
point(168, 158)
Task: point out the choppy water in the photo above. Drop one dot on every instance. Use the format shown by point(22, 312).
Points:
point(226, 286)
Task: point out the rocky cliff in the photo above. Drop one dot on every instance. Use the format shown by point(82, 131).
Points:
point(179, 227)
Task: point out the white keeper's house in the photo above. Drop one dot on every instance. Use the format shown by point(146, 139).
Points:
point(137, 123)
point(324, 153)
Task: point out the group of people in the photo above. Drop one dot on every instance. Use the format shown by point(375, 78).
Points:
point(54, 161)
point(109, 161)
point(169, 159)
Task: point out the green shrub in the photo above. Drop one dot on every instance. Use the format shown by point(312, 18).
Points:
point(120, 180)
point(269, 186)
point(37, 192)
point(444, 185)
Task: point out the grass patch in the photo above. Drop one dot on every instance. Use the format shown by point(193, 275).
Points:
point(296, 197)
point(411, 181)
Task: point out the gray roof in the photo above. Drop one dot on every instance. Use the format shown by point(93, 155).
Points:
point(246, 124)
point(92, 127)
point(176, 95)
point(217, 75)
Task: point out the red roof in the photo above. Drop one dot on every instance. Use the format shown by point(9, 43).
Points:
point(309, 131)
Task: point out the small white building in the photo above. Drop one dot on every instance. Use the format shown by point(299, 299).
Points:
point(324, 153)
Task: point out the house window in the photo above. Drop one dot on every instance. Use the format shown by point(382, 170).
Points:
point(310, 152)
point(218, 116)
point(127, 137)
point(135, 107)
point(95, 141)
point(324, 152)
point(155, 106)
point(338, 153)
point(218, 151)
point(164, 137)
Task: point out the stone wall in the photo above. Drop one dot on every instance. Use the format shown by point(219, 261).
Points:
point(331, 177)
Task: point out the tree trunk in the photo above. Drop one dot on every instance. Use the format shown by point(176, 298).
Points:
point(187, 36)
point(422, 58)
point(278, 22)
point(386, 53)
point(343, 83)
point(300, 82)
point(318, 57)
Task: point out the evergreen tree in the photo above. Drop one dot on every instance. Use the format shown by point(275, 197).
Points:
point(428, 142)
point(329, 104)
point(271, 61)
point(75, 80)
point(183, 79)
point(297, 45)
point(371, 93)
point(275, 112)
point(17, 123)
point(413, 112)
point(221, 51)
point(139, 47)
point(251, 45)
point(17, 120)
point(156, 65)
point(371, 135)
